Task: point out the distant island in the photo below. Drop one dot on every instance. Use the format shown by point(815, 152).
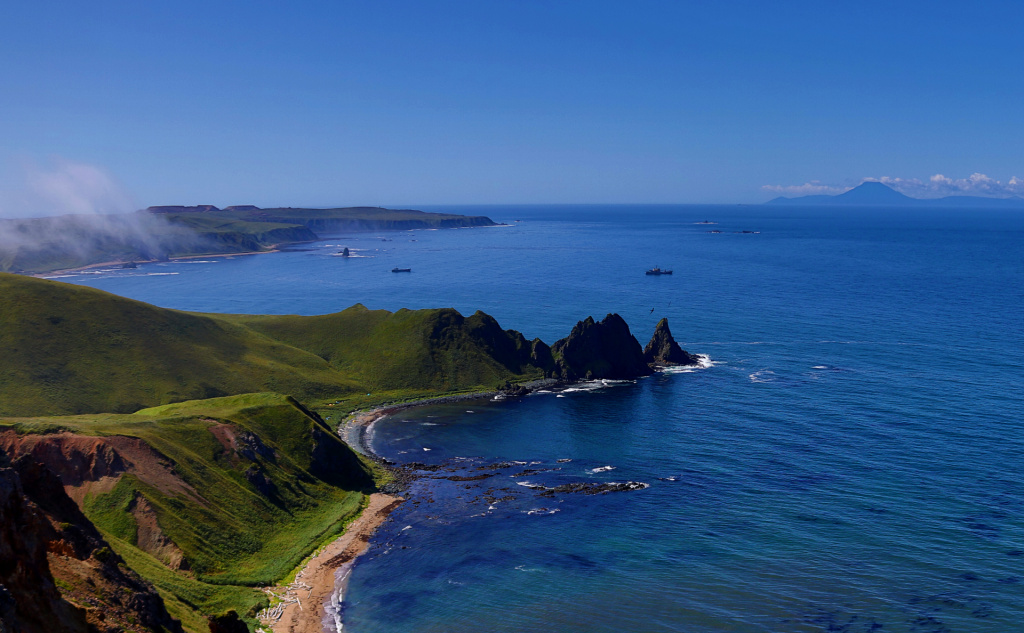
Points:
point(41, 245)
point(870, 194)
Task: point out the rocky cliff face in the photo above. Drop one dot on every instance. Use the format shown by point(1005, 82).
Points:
point(56, 571)
point(602, 349)
point(663, 350)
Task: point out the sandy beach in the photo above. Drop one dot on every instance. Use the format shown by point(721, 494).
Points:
point(306, 598)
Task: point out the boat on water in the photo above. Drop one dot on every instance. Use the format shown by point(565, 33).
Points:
point(658, 271)
point(401, 270)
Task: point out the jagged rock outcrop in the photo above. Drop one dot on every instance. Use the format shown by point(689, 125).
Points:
point(57, 573)
point(602, 349)
point(662, 350)
point(29, 598)
point(540, 356)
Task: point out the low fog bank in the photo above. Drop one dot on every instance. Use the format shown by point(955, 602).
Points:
point(71, 241)
point(66, 215)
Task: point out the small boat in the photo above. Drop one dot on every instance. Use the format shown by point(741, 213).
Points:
point(658, 271)
point(401, 270)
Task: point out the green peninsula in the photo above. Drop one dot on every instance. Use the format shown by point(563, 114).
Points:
point(40, 245)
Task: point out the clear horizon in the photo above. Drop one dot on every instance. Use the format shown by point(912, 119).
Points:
point(126, 106)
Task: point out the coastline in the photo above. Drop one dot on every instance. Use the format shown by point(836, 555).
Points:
point(311, 603)
point(63, 271)
point(355, 429)
point(304, 605)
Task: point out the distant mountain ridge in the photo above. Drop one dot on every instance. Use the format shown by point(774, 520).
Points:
point(878, 194)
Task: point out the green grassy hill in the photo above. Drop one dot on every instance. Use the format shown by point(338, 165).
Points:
point(69, 349)
point(419, 350)
point(243, 488)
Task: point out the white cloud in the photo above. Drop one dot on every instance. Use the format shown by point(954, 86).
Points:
point(813, 188)
point(937, 186)
point(65, 187)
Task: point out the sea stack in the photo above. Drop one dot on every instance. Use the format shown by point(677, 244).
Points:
point(663, 350)
point(604, 349)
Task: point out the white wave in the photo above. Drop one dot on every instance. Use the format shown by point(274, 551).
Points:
point(704, 361)
point(765, 375)
point(59, 276)
point(426, 449)
point(634, 485)
point(820, 367)
point(160, 274)
point(408, 527)
point(541, 511)
point(678, 370)
point(525, 568)
point(559, 396)
point(527, 484)
point(601, 469)
point(196, 261)
point(518, 463)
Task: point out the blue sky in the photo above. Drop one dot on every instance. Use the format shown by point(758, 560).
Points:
point(405, 103)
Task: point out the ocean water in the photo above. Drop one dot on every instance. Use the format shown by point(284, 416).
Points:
point(852, 459)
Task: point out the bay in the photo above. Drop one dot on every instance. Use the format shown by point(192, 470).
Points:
point(850, 462)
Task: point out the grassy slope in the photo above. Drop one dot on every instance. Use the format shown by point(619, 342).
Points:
point(70, 349)
point(234, 536)
point(415, 350)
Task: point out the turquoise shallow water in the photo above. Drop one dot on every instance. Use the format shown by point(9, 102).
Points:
point(851, 462)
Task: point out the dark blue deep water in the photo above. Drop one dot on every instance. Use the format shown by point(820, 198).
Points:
point(853, 460)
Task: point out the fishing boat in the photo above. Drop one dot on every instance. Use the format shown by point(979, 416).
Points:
point(401, 270)
point(658, 271)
